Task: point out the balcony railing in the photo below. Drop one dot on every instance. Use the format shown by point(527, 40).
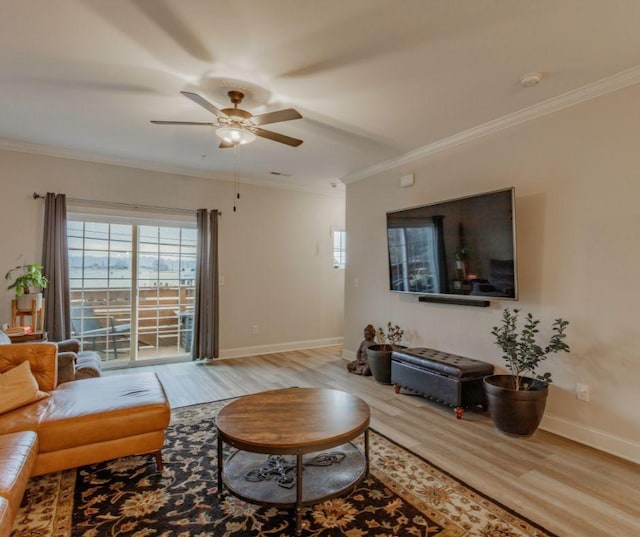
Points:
point(102, 320)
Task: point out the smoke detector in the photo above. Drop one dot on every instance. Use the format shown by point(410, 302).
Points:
point(529, 80)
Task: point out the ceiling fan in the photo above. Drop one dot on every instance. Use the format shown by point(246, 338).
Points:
point(236, 126)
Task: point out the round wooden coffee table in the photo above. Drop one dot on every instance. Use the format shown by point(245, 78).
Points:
point(306, 434)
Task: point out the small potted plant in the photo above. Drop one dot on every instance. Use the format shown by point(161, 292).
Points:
point(380, 354)
point(30, 277)
point(517, 401)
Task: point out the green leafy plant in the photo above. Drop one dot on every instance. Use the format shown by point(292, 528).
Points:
point(461, 253)
point(31, 276)
point(522, 352)
point(392, 337)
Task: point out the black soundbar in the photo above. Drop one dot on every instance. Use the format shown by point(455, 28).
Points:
point(455, 301)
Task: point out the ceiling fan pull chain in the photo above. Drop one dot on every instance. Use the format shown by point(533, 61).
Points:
point(236, 179)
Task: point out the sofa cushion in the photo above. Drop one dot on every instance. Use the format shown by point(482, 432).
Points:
point(18, 387)
point(41, 357)
point(18, 454)
point(103, 409)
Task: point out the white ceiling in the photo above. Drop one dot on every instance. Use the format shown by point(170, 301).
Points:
point(374, 79)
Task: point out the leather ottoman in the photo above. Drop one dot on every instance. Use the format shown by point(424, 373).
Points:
point(447, 378)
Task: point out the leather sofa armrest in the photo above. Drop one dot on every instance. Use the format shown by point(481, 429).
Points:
point(66, 367)
point(6, 517)
point(69, 345)
point(43, 358)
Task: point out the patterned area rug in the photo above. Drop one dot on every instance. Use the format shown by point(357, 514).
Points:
point(403, 496)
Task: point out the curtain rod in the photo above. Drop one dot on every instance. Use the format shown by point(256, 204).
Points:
point(116, 204)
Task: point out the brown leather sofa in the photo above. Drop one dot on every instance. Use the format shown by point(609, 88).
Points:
point(82, 422)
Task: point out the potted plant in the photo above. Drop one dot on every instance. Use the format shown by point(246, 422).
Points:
point(517, 401)
point(380, 354)
point(30, 277)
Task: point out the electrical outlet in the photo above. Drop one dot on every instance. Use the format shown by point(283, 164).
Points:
point(582, 392)
point(255, 329)
point(221, 281)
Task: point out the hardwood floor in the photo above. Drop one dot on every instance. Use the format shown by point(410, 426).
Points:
point(567, 487)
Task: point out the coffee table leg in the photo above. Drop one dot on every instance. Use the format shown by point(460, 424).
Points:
point(366, 452)
point(220, 485)
point(299, 494)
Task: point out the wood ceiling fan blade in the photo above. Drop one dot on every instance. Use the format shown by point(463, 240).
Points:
point(277, 137)
point(225, 145)
point(155, 122)
point(201, 101)
point(276, 117)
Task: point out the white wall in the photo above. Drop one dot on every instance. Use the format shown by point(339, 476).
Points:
point(275, 252)
point(577, 180)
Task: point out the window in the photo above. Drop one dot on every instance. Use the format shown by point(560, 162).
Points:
point(339, 249)
point(131, 282)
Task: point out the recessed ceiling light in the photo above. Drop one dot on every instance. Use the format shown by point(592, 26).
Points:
point(529, 80)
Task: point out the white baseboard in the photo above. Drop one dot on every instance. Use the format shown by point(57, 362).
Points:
point(239, 352)
point(590, 436)
point(348, 355)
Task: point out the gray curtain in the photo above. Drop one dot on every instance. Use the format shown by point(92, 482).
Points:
point(213, 289)
point(57, 314)
point(205, 314)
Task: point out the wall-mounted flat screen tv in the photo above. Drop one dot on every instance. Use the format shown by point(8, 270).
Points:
point(458, 247)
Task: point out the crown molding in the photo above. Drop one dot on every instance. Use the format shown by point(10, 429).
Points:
point(185, 171)
point(601, 87)
point(99, 158)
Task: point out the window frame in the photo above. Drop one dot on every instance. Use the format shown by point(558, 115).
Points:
point(136, 222)
point(339, 261)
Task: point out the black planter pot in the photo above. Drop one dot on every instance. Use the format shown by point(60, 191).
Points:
point(515, 412)
point(380, 361)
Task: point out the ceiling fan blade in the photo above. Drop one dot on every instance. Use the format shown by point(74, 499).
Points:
point(181, 123)
point(277, 137)
point(275, 117)
point(204, 103)
point(225, 145)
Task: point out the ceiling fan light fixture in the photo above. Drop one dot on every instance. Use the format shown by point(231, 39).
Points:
point(235, 135)
point(239, 127)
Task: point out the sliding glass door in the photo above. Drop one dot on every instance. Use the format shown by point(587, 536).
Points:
point(166, 285)
point(132, 287)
